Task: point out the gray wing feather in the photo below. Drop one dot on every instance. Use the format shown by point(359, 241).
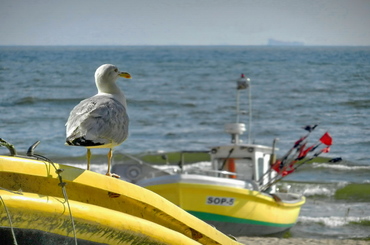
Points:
point(99, 119)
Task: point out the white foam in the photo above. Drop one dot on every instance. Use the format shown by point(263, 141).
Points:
point(200, 165)
point(332, 221)
point(340, 167)
point(98, 168)
point(318, 190)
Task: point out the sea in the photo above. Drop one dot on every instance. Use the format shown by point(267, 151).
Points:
point(180, 98)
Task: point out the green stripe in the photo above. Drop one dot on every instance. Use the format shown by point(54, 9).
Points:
point(223, 218)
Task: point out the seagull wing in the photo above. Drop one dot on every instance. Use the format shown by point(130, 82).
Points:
point(99, 120)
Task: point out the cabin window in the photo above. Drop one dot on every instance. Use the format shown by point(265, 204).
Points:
point(244, 168)
point(260, 168)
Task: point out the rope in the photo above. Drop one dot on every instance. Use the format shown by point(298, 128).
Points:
point(57, 171)
point(10, 221)
point(62, 184)
point(10, 147)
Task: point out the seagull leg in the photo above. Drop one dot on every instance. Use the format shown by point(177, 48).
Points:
point(88, 155)
point(111, 194)
point(110, 154)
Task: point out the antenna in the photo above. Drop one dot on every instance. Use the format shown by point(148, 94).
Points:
point(244, 83)
point(237, 129)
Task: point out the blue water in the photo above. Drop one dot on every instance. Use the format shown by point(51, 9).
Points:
point(181, 97)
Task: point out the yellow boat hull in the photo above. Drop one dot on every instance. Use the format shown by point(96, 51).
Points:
point(233, 210)
point(32, 188)
point(47, 218)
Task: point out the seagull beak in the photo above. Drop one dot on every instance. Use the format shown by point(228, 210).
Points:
point(125, 75)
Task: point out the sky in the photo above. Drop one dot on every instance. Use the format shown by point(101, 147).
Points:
point(184, 22)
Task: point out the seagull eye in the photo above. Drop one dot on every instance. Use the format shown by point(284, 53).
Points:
point(116, 70)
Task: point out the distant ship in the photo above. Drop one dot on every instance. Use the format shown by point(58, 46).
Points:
point(273, 42)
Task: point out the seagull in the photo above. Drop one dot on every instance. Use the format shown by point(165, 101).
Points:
point(100, 121)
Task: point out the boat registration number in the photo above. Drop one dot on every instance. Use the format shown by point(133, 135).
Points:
point(221, 201)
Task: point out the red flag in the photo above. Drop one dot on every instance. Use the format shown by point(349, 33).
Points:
point(303, 153)
point(286, 172)
point(326, 149)
point(326, 139)
point(277, 166)
point(301, 149)
point(299, 141)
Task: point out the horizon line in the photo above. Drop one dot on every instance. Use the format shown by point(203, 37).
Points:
point(176, 45)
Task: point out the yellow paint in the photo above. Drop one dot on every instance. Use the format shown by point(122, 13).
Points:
point(93, 223)
point(40, 177)
point(248, 204)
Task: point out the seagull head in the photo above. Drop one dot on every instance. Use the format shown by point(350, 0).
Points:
point(106, 76)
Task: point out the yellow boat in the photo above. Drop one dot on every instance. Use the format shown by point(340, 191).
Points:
point(230, 199)
point(42, 202)
point(234, 191)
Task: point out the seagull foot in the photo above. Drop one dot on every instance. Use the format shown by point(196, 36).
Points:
point(112, 194)
point(113, 175)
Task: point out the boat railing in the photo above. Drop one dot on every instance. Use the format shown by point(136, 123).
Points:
point(193, 169)
point(182, 168)
point(212, 172)
point(136, 159)
point(182, 157)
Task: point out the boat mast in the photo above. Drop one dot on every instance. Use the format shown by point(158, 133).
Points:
point(244, 83)
point(236, 129)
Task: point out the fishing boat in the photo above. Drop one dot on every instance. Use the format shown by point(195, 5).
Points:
point(234, 189)
point(42, 202)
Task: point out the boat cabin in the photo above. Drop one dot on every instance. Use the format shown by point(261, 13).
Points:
point(241, 161)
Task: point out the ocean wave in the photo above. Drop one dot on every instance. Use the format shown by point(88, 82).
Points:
point(322, 190)
point(335, 221)
point(33, 100)
point(358, 192)
point(340, 167)
point(319, 191)
point(98, 168)
point(364, 103)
